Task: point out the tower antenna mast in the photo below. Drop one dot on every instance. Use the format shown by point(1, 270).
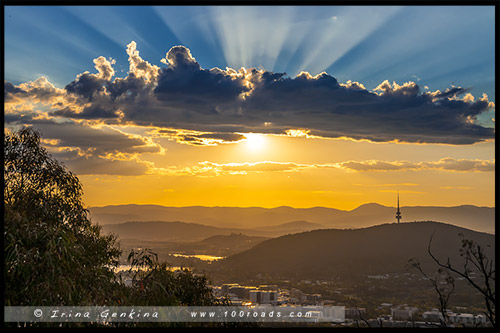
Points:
point(398, 212)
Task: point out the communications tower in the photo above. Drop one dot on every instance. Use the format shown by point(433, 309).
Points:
point(398, 213)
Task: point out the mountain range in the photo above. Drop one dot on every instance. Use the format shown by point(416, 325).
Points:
point(471, 217)
point(161, 231)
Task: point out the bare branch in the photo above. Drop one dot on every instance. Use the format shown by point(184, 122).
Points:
point(474, 253)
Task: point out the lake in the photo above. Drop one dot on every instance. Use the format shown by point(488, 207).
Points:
point(124, 268)
point(204, 257)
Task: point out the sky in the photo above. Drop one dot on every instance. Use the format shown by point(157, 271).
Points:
point(300, 106)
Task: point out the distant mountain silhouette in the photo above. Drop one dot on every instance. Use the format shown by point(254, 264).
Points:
point(166, 231)
point(467, 216)
point(161, 231)
point(374, 250)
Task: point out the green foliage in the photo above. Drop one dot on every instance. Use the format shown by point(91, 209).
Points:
point(53, 254)
point(153, 283)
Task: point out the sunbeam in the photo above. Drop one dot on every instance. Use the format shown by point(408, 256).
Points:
point(191, 105)
point(109, 23)
point(283, 38)
point(337, 36)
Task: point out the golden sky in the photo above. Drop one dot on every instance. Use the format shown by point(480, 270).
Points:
point(278, 170)
point(183, 135)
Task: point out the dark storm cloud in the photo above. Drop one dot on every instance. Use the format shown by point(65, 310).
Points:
point(86, 86)
point(125, 90)
point(38, 91)
point(94, 111)
point(398, 113)
point(198, 138)
point(184, 84)
point(186, 96)
point(209, 138)
point(228, 137)
point(10, 90)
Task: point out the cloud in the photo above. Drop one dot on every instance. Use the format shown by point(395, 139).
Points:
point(93, 150)
point(184, 88)
point(444, 164)
point(267, 166)
point(101, 141)
point(180, 57)
point(211, 169)
point(196, 138)
point(185, 96)
point(105, 68)
point(37, 91)
point(374, 165)
point(387, 185)
point(139, 67)
point(87, 164)
point(451, 164)
point(86, 86)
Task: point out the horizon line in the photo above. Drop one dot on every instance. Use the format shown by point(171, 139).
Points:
point(285, 206)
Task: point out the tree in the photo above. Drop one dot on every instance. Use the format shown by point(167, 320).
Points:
point(476, 264)
point(444, 285)
point(54, 255)
point(154, 283)
point(478, 270)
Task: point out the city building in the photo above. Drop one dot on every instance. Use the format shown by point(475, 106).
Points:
point(296, 296)
point(403, 313)
point(325, 313)
point(355, 313)
point(467, 319)
point(263, 297)
point(312, 298)
point(225, 287)
point(242, 292)
point(433, 316)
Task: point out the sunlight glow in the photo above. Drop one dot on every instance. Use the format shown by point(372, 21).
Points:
point(255, 142)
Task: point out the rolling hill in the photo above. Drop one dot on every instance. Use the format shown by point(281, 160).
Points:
point(467, 216)
point(166, 231)
point(160, 231)
point(292, 227)
point(379, 249)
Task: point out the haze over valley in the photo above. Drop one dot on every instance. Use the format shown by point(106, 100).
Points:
point(274, 221)
point(240, 234)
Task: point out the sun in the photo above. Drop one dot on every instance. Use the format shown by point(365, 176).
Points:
point(255, 141)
